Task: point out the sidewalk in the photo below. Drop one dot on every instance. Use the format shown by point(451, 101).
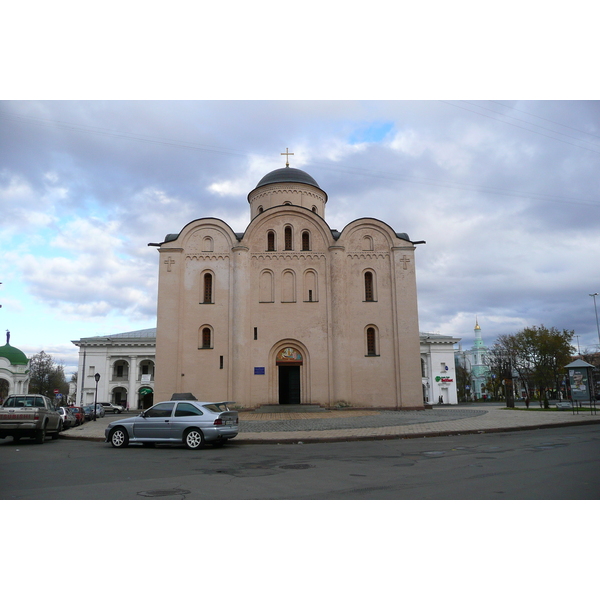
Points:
point(340, 425)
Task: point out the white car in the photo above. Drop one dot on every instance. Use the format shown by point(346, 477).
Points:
point(68, 420)
point(109, 407)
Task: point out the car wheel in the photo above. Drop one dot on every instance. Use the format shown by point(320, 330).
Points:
point(193, 439)
point(119, 438)
point(40, 436)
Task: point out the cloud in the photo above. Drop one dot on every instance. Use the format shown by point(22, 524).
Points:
point(510, 216)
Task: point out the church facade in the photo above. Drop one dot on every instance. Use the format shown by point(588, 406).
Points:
point(289, 311)
point(14, 370)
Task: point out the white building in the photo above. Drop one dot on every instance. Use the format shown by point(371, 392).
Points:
point(14, 370)
point(125, 363)
point(438, 369)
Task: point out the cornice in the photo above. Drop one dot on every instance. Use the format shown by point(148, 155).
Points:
point(288, 256)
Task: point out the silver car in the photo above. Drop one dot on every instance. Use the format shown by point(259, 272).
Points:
point(186, 422)
point(68, 420)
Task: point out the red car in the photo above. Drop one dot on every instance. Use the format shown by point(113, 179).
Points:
point(78, 413)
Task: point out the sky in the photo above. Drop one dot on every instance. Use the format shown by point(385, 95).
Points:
point(505, 194)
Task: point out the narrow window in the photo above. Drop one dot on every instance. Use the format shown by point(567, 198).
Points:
point(288, 238)
point(305, 241)
point(369, 287)
point(310, 296)
point(220, 362)
point(206, 338)
point(314, 209)
point(271, 241)
point(256, 333)
point(208, 289)
point(260, 209)
point(371, 350)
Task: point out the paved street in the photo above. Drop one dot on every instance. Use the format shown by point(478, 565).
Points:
point(556, 463)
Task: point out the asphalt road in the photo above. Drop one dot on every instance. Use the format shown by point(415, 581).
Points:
point(561, 464)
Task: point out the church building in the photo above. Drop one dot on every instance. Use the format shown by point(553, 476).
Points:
point(290, 311)
point(14, 370)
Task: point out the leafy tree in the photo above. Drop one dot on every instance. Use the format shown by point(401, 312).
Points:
point(45, 375)
point(538, 355)
point(499, 363)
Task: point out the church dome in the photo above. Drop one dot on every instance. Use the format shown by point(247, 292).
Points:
point(13, 355)
point(287, 175)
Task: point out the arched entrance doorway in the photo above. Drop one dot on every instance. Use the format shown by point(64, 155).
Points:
point(146, 397)
point(289, 362)
point(119, 396)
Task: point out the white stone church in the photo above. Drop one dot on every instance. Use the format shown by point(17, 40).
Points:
point(290, 311)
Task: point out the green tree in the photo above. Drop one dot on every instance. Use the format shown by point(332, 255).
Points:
point(45, 375)
point(539, 356)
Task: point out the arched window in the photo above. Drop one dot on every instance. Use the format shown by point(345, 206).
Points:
point(367, 243)
point(369, 295)
point(371, 342)
point(206, 337)
point(120, 370)
point(260, 209)
point(288, 238)
point(314, 209)
point(271, 241)
point(305, 241)
point(208, 291)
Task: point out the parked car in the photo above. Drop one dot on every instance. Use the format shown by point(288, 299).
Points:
point(114, 408)
point(78, 413)
point(29, 415)
point(88, 411)
point(89, 408)
point(186, 422)
point(68, 419)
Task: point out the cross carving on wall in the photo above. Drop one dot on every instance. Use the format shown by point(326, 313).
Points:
point(404, 260)
point(170, 262)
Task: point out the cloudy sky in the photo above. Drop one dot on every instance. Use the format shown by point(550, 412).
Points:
point(505, 193)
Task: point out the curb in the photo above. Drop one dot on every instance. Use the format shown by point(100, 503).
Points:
point(388, 436)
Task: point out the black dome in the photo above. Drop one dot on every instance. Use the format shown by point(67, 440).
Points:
point(287, 175)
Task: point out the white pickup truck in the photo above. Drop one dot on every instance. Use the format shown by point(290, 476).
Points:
point(29, 415)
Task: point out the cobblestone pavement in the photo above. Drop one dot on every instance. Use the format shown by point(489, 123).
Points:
point(352, 420)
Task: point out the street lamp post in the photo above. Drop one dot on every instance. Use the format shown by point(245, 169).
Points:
point(596, 311)
point(97, 378)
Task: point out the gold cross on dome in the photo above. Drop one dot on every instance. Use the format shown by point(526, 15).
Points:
point(287, 154)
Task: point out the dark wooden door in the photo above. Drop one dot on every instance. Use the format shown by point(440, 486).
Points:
point(289, 384)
